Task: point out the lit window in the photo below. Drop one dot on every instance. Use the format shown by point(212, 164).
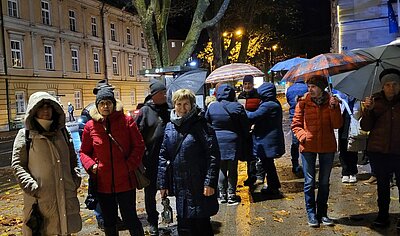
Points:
point(13, 8)
point(75, 60)
point(96, 62)
point(72, 20)
point(113, 37)
point(16, 53)
point(173, 44)
point(142, 40)
point(78, 99)
point(130, 66)
point(48, 57)
point(133, 97)
point(144, 63)
point(128, 36)
point(45, 12)
point(94, 26)
point(20, 101)
point(115, 65)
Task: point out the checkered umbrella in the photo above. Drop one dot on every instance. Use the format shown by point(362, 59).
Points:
point(327, 64)
point(231, 72)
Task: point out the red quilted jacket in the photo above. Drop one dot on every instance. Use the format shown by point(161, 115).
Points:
point(113, 165)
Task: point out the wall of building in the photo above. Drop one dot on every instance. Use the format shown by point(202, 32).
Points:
point(361, 24)
point(31, 75)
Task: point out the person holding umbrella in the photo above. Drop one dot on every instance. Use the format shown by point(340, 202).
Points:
point(316, 116)
point(382, 118)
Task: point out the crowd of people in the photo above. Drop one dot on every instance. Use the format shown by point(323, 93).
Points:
point(193, 153)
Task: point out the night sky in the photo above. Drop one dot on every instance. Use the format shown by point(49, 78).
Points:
point(314, 38)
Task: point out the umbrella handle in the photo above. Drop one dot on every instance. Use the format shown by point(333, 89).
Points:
point(373, 79)
point(329, 85)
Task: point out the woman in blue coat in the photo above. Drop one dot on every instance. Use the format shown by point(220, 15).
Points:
point(229, 120)
point(268, 136)
point(190, 147)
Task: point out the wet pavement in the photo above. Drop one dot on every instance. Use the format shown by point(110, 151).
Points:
point(352, 206)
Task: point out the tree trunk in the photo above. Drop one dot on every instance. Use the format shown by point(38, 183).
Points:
point(243, 48)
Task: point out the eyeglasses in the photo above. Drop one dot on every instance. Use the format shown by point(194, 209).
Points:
point(105, 102)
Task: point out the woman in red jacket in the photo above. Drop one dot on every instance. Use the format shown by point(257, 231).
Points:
point(316, 116)
point(112, 148)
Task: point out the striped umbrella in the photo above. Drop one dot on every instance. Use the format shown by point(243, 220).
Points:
point(231, 72)
point(327, 64)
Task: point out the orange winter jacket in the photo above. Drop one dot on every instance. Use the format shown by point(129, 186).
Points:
point(314, 125)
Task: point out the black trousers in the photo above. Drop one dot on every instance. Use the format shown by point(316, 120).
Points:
point(348, 160)
point(150, 195)
point(385, 165)
point(127, 205)
point(195, 227)
point(270, 170)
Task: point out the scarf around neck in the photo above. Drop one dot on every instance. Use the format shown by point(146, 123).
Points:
point(177, 120)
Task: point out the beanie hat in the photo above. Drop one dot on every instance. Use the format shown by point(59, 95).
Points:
point(156, 86)
point(319, 81)
point(389, 75)
point(248, 78)
point(105, 93)
point(102, 84)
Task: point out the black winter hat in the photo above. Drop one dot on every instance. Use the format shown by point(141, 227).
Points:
point(248, 78)
point(105, 93)
point(156, 86)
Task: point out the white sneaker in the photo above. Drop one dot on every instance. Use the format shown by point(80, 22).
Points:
point(352, 179)
point(346, 179)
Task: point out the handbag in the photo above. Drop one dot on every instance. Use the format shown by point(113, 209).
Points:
point(136, 175)
point(141, 180)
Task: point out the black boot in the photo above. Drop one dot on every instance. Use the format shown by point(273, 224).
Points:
point(111, 231)
point(137, 232)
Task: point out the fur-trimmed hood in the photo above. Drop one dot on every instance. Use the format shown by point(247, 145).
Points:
point(96, 116)
point(35, 101)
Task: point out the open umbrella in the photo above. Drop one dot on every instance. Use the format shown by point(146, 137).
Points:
point(327, 64)
point(193, 80)
point(365, 81)
point(288, 64)
point(233, 72)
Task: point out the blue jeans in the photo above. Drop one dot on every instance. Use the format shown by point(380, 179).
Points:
point(316, 208)
point(228, 177)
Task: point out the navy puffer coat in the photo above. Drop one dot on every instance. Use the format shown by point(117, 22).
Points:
point(268, 134)
point(195, 165)
point(297, 90)
point(230, 123)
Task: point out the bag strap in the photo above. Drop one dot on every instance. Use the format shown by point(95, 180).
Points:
point(115, 141)
point(28, 142)
point(178, 147)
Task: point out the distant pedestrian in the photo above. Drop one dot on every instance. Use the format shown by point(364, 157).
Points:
point(316, 116)
point(190, 151)
point(251, 100)
point(382, 118)
point(71, 110)
point(293, 93)
point(229, 120)
point(268, 138)
point(45, 164)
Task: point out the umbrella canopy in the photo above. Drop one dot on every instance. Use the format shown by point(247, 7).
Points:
point(365, 81)
point(288, 64)
point(231, 72)
point(192, 80)
point(327, 64)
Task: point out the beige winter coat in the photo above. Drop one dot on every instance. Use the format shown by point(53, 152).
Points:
point(49, 175)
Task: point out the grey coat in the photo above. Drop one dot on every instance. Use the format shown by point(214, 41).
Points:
point(49, 175)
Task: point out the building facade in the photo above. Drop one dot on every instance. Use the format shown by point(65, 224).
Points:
point(65, 47)
point(361, 23)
